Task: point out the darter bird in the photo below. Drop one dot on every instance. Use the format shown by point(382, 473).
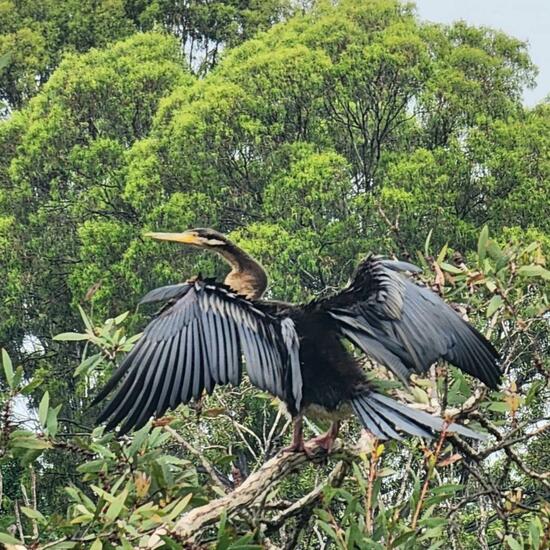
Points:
point(208, 330)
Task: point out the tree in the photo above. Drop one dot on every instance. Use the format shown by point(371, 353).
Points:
point(345, 128)
point(163, 485)
point(34, 36)
point(62, 188)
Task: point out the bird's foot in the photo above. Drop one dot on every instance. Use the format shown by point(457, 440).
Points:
point(325, 442)
point(297, 444)
point(294, 447)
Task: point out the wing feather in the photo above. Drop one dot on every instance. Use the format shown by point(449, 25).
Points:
point(407, 327)
point(197, 341)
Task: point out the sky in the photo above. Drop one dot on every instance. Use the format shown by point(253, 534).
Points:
point(528, 20)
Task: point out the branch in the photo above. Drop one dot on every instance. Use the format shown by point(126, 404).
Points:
point(334, 479)
point(205, 464)
point(242, 498)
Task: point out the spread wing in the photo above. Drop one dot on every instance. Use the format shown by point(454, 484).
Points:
point(199, 340)
point(406, 327)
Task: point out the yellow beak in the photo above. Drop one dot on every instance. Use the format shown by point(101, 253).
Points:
point(186, 237)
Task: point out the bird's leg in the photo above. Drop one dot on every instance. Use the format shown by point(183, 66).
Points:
point(326, 440)
point(297, 444)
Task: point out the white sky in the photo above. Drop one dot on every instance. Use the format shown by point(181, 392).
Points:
point(528, 20)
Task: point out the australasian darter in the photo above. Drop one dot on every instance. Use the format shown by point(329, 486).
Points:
point(207, 330)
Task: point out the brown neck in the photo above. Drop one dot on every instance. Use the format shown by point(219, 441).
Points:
point(247, 277)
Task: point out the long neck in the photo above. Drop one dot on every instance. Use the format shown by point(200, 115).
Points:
point(247, 277)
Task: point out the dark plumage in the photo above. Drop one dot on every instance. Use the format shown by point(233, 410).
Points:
point(207, 330)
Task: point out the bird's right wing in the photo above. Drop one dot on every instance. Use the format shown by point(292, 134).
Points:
point(406, 327)
point(197, 341)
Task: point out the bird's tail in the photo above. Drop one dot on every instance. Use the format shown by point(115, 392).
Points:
point(384, 417)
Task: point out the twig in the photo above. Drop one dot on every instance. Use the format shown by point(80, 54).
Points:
point(373, 462)
point(334, 479)
point(205, 464)
point(431, 462)
point(28, 505)
point(54, 543)
point(18, 521)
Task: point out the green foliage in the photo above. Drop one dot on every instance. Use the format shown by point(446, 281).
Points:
point(344, 128)
point(34, 36)
point(399, 495)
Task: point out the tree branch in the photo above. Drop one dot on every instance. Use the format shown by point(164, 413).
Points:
point(251, 490)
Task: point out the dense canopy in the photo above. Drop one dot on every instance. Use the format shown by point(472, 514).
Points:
point(312, 133)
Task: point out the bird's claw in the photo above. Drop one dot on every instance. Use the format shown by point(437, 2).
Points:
point(294, 447)
point(324, 442)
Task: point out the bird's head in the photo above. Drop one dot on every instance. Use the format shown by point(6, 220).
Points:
point(209, 239)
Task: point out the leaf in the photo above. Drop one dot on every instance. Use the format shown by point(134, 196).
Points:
point(449, 460)
point(475, 278)
point(447, 489)
point(328, 530)
point(490, 286)
point(31, 386)
point(139, 438)
point(91, 467)
point(43, 409)
point(498, 406)
point(116, 506)
point(534, 271)
point(533, 391)
point(513, 543)
point(442, 254)
point(31, 443)
point(494, 304)
point(494, 251)
point(535, 531)
point(88, 364)
point(450, 268)
point(18, 377)
point(101, 493)
point(403, 537)
point(513, 402)
point(121, 318)
point(5, 60)
point(214, 412)
point(420, 396)
point(71, 336)
point(179, 507)
point(427, 243)
point(431, 533)
point(482, 244)
point(51, 422)
point(170, 543)
point(531, 248)
point(96, 545)
point(86, 319)
point(8, 368)
point(33, 514)
point(8, 539)
point(142, 482)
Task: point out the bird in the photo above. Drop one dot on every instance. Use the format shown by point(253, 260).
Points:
point(208, 331)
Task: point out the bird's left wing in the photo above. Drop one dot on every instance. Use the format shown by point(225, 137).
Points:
point(406, 327)
point(197, 341)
